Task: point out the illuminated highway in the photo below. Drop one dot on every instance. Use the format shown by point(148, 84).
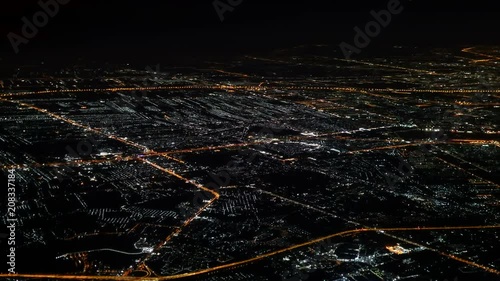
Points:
point(388, 66)
point(394, 146)
point(277, 252)
point(166, 154)
point(470, 50)
point(187, 221)
point(254, 88)
point(468, 172)
point(451, 141)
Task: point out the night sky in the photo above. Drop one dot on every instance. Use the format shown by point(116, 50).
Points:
point(104, 29)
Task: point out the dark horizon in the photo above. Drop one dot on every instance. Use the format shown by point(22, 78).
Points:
point(151, 30)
